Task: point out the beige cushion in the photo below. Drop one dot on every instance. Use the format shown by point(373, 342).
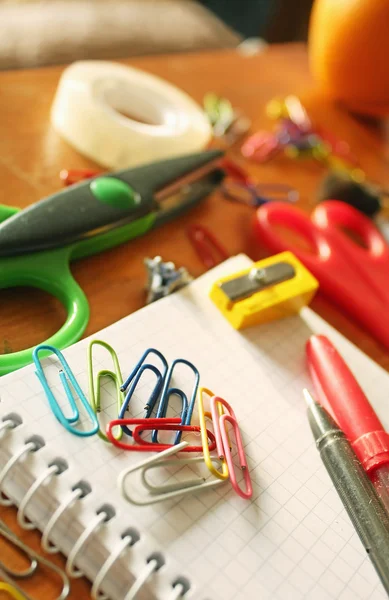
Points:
point(37, 33)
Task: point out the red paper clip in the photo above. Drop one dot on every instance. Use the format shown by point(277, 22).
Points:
point(71, 176)
point(234, 170)
point(153, 446)
point(125, 422)
point(261, 146)
point(166, 424)
point(339, 147)
point(208, 248)
point(223, 445)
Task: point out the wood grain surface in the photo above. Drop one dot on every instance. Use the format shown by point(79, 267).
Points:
point(32, 154)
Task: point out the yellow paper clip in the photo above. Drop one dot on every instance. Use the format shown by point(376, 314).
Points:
point(11, 591)
point(223, 474)
point(270, 289)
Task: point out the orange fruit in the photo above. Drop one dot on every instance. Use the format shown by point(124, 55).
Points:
point(348, 51)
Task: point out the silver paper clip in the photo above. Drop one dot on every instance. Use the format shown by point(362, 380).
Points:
point(10, 576)
point(155, 493)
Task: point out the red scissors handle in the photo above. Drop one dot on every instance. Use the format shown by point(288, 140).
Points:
point(371, 259)
point(273, 222)
point(355, 278)
point(335, 214)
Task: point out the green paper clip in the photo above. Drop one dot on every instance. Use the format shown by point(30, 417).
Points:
point(220, 113)
point(95, 383)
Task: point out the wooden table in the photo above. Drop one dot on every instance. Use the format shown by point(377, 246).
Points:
point(32, 154)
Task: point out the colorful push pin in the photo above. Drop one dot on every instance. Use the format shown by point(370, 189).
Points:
point(164, 278)
point(220, 113)
point(276, 109)
point(227, 122)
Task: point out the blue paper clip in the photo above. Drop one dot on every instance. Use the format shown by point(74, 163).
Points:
point(66, 376)
point(134, 378)
point(167, 392)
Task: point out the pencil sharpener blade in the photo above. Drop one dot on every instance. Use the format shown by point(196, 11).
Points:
point(270, 289)
point(256, 280)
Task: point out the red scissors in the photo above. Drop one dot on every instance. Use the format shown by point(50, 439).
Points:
point(355, 277)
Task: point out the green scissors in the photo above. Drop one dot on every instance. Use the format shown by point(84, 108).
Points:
point(38, 243)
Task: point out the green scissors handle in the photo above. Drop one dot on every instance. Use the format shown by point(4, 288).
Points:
point(38, 243)
point(7, 211)
point(50, 272)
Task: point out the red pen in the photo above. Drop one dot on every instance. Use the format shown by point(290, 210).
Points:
point(340, 393)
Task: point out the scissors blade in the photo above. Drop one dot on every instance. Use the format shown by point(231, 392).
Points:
point(187, 192)
point(97, 206)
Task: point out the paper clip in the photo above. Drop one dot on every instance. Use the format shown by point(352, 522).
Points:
point(220, 113)
point(223, 445)
point(224, 474)
point(240, 187)
point(124, 423)
point(71, 176)
point(257, 194)
point(134, 378)
point(210, 251)
point(236, 172)
point(162, 424)
point(297, 113)
point(161, 493)
point(262, 146)
point(11, 590)
point(9, 576)
point(167, 392)
point(29, 571)
point(66, 376)
point(168, 427)
point(95, 384)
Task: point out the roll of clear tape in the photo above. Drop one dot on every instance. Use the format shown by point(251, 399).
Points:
point(120, 117)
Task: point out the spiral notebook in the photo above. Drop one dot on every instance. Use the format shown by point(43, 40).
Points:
point(292, 540)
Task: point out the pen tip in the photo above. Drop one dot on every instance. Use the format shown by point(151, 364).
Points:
point(308, 398)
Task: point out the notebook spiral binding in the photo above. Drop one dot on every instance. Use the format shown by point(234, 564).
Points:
point(180, 586)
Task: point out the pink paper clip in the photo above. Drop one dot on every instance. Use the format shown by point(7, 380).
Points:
point(261, 146)
point(223, 445)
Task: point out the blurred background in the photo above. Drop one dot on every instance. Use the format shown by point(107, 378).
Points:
point(44, 32)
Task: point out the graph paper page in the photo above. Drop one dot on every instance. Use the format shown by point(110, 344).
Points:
point(293, 539)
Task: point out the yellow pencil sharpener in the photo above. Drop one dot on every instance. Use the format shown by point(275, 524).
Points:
point(270, 289)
